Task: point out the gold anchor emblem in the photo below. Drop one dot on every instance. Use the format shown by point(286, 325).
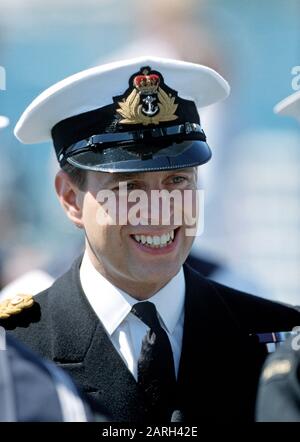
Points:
point(147, 103)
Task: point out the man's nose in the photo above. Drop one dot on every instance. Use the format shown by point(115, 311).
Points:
point(161, 207)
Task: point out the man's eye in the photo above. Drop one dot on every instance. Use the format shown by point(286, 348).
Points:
point(128, 186)
point(131, 186)
point(178, 179)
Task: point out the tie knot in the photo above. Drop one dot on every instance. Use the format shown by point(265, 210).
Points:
point(146, 312)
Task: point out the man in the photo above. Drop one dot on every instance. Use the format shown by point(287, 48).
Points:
point(139, 330)
point(279, 393)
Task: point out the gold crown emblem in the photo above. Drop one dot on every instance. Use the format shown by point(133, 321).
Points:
point(146, 83)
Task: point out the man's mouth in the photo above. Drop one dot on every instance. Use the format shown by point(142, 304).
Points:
point(156, 241)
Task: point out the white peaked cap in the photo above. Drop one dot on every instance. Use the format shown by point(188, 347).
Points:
point(95, 87)
point(289, 106)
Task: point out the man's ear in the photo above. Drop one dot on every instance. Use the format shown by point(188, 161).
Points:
point(70, 197)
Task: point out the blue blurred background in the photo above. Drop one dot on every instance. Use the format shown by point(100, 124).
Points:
point(252, 184)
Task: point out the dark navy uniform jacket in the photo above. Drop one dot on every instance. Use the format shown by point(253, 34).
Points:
point(33, 390)
point(220, 362)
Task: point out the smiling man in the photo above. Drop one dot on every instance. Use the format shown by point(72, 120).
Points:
point(138, 258)
point(137, 328)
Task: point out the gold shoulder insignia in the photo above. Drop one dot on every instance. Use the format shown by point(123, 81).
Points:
point(15, 305)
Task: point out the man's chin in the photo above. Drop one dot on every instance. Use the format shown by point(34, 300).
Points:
point(159, 275)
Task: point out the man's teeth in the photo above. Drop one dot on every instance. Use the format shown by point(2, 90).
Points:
point(155, 241)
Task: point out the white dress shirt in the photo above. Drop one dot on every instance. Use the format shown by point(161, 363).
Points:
point(126, 331)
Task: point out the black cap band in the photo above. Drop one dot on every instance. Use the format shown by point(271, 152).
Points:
point(98, 142)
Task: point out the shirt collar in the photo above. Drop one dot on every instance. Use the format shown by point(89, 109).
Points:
point(112, 304)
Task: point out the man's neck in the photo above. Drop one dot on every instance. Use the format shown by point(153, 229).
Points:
point(137, 289)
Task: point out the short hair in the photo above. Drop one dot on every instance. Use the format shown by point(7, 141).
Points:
point(77, 176)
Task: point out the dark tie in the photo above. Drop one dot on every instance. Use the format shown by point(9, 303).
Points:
point(156, 372)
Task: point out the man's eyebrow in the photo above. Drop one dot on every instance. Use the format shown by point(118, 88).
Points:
point(122, 176)
point(127, 176)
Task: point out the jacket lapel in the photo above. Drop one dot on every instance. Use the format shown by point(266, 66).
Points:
point(82, 346)
point(213, 343)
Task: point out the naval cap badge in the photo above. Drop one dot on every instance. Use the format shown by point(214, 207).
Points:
point(148, 102)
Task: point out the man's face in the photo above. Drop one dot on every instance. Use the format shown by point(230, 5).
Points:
point(139, 255)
